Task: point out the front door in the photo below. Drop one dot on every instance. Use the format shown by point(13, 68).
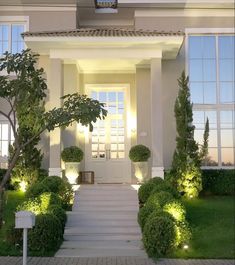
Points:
point(108, 145)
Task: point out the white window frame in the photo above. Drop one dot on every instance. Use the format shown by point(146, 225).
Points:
point(14, 20)
point(216, 107)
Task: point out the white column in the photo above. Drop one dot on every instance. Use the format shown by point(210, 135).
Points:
point(156, 118)
point(55, 93)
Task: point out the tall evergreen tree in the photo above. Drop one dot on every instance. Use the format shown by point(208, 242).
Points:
point(186, 173)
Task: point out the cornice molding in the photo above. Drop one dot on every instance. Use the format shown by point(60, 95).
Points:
point(50, 8)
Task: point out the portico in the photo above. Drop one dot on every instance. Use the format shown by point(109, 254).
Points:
point(122, 68)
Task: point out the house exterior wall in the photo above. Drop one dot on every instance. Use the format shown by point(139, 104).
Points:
point(45, 20)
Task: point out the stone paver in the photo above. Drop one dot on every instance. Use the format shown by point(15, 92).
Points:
point(109, 261)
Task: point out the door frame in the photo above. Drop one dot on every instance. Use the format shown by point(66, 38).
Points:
point(112, 86)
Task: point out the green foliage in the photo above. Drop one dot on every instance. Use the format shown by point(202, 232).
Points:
point(183, 233)
point(218, 182)
point(139, 153)
point(41, 203)
point(61, 187)
point(26, 94)
point(159, 199)
point(36, 189)
point(185, 173)
point(159, 235)
point(176, 209)
point(47, 233)
point(49, 198)
point(165, 186)
point(33, 205)
point(72, 154)
point(156, 180)
point(59, 213)
point(14, 236)
point(145, 191)
point(144, 213)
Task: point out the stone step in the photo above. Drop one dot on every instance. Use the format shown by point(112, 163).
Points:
point(82, 202)
point(100, 253)
point(106, 187)
point(102, 237)
point(102, 208)
point(112, 230)
point(106, 244)
point(106, 192)
point(100, 222)
point(97, 215)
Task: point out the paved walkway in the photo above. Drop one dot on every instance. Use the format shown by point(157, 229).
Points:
point(109, 261)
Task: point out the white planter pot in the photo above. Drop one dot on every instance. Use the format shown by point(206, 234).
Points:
point(72, 171)
point(141, 171)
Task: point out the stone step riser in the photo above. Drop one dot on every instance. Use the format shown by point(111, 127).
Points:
point(101, 230)
point(99, 253)
point(101, 244)
point(82, 223)
point(126, 237)
point(104, 203)
point(106, 209)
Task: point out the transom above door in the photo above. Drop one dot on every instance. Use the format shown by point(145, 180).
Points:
point(108, 144)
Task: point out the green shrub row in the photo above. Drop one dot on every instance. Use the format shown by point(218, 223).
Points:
point(46, 200)
point(162, 218)
point(218, 182)
point(52, 184)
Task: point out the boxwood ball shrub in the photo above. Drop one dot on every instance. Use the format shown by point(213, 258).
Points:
point(59, 212)
point(47, 199)
point(61, 187)
point(156, 181)
point(159, 235)
point(144, 213)
point(183, 233)
point(47, 233)
point(145, 191)
point(139, 153)
point(146, 188)
point(36, 189)
point(176, 209)
point(165, 186)
point(32, 204)
point(72, 154)
point(159, 199)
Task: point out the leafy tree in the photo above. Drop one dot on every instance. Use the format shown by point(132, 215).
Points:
point(24, 86)
point(188, 156)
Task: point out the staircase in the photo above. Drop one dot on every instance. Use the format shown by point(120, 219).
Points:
point(103, 223)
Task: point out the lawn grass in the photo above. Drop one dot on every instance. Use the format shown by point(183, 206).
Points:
point(213, 231)
point(13, 199)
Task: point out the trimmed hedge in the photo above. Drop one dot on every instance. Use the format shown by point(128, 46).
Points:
point(144, 213)
point(36, 189)
point(59, 213)
point(218, 182)
point(47, 234)
point(41, 203)
point(159, 235)
point(144, 191)
point(159, 199)
point(165, 186)
point(53, 184)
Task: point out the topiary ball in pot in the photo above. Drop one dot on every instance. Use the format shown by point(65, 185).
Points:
point(139, 155)
point(72, 156)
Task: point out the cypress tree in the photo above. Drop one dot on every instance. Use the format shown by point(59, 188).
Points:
point(185, 172)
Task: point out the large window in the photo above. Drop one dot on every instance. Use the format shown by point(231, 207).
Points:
point(10, 37)
point(211, 74)
point(6, 138)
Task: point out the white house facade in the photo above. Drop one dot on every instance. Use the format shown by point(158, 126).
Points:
point(129, 58)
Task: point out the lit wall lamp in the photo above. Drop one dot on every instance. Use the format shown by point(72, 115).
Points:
point(106, 6)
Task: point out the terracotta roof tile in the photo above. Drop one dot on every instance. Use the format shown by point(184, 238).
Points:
point(102, 32)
